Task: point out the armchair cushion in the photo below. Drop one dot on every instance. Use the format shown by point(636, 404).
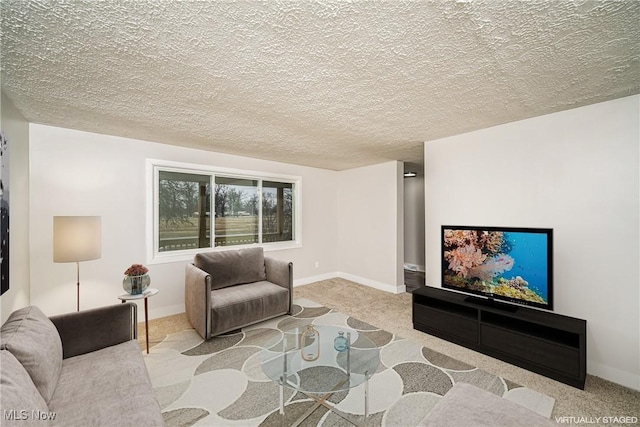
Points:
point(228, 268)
point(34, 341)
point(238, 306)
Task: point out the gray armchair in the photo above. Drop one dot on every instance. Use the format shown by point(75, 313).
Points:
point(228, 290)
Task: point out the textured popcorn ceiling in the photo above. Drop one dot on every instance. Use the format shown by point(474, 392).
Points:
point(332, 84)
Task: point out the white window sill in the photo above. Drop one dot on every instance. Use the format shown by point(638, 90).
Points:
point(187, 255)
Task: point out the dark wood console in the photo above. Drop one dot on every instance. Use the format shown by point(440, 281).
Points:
point(550, 344)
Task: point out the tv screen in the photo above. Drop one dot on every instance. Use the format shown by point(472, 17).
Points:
point(506, 263)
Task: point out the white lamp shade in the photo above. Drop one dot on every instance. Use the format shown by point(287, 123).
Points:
point(77, 238)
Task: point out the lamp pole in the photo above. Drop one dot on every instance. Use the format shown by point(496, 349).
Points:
point(78, 284)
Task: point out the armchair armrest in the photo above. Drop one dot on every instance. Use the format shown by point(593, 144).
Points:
point(90, 330)
point(280, 273)
point(197, 299)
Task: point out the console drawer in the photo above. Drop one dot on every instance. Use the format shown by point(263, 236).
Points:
point(551, 355)
point(453, 325)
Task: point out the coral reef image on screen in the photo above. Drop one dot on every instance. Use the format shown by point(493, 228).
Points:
point(508, 264)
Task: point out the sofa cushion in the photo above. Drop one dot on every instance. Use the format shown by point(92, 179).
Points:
point(34, 340)
point(21, 403)
point(108, 387)
point(235, 267)
point(466, 404)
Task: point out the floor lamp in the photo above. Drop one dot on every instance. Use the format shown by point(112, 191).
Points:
point(75, 239)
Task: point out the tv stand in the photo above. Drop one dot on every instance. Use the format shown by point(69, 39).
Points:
point(490, 302)
point(548, 343)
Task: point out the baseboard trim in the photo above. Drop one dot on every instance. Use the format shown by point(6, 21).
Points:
point(155, 313)
point(373, 283)
point(312, 279)
point(352, 277)
point(414, 267)
point(617, 376)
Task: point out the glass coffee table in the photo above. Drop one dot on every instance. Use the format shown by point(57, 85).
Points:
point(317, 365)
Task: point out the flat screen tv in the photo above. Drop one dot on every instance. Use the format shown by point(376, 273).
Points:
point(500, 263)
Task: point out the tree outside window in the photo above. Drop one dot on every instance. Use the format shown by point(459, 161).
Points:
point(236, 220)
point(277, 211)
point(183, 211)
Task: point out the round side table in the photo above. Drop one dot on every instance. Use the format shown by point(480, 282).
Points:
point(149, 292)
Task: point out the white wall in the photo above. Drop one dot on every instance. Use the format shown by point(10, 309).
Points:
point(16, 130)
point(577, 172)
point(414, 221)
point(370, 242)
point(81, 173)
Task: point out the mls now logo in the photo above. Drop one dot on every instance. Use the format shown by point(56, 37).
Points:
point(23, 414)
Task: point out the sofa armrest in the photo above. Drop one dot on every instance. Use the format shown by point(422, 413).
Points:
point(280, 273)
point(197, 299)
point(90, 330)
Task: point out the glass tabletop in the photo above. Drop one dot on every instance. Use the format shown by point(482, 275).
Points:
point(286, 360)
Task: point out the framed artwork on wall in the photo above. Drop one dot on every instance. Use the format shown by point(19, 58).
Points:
point(4, 213)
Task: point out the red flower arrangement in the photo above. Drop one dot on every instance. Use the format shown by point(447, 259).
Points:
point(136, 270)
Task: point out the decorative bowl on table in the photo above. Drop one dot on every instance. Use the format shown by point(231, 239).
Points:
point(136, 279)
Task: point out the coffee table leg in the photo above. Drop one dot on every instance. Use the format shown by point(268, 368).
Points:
point(366, 398)
point(285, 375)
point(348, 354)
point(281, 397)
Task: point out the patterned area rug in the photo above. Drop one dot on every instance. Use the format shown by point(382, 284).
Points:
point(220, 382)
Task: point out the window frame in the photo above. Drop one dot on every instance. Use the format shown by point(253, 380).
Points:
point(154, 166)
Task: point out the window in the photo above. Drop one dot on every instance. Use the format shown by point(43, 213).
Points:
point(277, 211)
point(196, 209)
point(184, 206)
point(237, 211)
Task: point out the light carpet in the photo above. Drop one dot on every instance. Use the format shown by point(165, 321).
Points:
point(220, 382)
